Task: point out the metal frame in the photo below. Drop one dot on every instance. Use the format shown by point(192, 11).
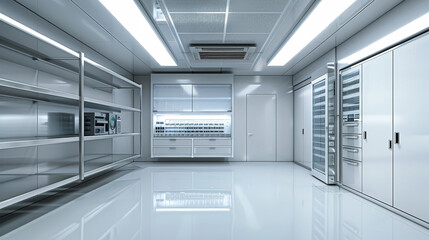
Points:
point(21, 90)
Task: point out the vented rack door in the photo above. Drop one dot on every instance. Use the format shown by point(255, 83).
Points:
point(319, 126)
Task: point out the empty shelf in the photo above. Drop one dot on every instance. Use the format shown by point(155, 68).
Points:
point(107, 136)
point(99, 104)
point(35, 141)
point(15, 188)
point(16, 89)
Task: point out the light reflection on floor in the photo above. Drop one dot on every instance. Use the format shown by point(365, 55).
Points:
point(218, 201)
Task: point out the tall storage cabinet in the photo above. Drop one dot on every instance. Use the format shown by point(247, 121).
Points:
point(392, 163)
point(411, 127)
point(302, 126)
point(377, 127)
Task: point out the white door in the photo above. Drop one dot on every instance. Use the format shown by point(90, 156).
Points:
point(377, 127)
point(261, 127)
point(308, 135)
point(298, 126)
point(411, 113)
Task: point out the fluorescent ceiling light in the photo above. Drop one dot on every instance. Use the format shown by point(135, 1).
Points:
point(402, 33)
point(319, 19)
point(130, 16)
point(192, 209)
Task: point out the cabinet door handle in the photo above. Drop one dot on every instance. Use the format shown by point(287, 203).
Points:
point(351, 124)
point(172, 140)
point(212, 140)
point(365, 135)
point(303, 131)
point(397, 137)
point(351, 137)
point(390, 144)
point(212, 148)
point(351, 163)
point(172, 148)
point(351, 150)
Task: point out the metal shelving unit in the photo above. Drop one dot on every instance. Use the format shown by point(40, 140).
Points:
point(64, 80)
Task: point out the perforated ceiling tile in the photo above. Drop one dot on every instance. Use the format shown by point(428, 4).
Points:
point(198, 23)
point(187, 39)
point(257, 5)
point(195, 5)
point(251, 23)
point(258, 39)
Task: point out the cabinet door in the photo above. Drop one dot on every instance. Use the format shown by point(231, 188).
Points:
point(377, 123)
point(411, 112)
point(298, 125)
point(172, 98)
point(212, 98)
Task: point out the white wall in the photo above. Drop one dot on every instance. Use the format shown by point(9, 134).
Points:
point(401, 15)
point(243, 85)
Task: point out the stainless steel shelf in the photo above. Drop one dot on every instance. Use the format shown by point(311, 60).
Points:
point(35, 141)
point(99, 104)
point(98, 163)
point(99, 137)
point(16, 89)
point(16, 188)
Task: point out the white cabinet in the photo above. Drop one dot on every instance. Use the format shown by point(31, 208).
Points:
point(377, 127)
point(192, 98)
point(172, 98)
point(212, 98)
point(411, 112)
point(302, 126)
point(192, 147)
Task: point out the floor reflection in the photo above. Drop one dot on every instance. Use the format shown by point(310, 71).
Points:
point(218, 201)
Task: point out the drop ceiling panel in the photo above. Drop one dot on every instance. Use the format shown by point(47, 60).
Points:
point(258, 39)
point(251, 23)
point(257, 5)
point(187, 39)
point(198, 23)
point(196, 5)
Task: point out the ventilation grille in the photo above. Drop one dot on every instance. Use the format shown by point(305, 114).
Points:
point(222, 51)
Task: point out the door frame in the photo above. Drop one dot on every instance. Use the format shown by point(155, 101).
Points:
point(276, 125)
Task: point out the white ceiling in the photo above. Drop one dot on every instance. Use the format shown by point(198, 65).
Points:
point(266, 23)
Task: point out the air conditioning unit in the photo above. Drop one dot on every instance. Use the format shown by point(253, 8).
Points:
point(241, 52)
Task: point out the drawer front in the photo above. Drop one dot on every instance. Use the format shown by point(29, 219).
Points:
point(352, 153)
point(172, 142)
point(352, 140)
point(352, 128)
point(212, 142)
point(172, 151)
point(352, 174)
point(212, 151)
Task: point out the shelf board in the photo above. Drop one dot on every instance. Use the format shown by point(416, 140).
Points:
point(100, 104)
point(99, 137)
point(15, 188)
point(98, 163)
point(16, 89)
point(35, 141)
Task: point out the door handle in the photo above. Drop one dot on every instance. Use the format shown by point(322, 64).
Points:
point(365, 135)
point(390, 144)
point(351, 137)
point(351, 150)
point(351, 124)
point(397, 137)
point(303, 131)
point(351, 163)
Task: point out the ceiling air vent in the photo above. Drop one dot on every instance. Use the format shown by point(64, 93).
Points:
point(222, 51)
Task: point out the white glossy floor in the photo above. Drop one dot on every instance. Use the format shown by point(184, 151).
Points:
point(212, 201)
